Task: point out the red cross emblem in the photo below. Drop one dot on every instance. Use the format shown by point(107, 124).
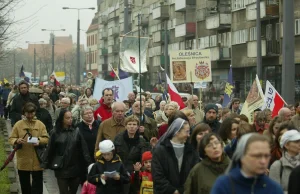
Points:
point(132, 59)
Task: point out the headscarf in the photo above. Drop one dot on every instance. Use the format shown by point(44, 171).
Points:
point(239, 152)
point(172, 130)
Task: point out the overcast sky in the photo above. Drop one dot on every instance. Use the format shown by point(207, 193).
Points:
point(50, 15)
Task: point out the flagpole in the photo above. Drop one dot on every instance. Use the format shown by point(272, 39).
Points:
point(140, 78)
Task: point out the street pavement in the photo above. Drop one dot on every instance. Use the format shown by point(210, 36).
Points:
point(49, 180)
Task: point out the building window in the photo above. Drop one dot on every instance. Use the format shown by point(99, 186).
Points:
point(297, 27)
point(241, 4)
point(269, 32)
point(252, 34)
point(240, 37)
point(277, 32)
point(204, 42)
point(213, 41)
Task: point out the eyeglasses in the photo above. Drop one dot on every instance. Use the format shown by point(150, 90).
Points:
point(260, 156)
point(212, 144)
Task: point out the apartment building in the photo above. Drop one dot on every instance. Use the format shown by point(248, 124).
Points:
point(226, 27)
point(92, 47)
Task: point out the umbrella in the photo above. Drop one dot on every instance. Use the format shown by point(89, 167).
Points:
point(12, 154)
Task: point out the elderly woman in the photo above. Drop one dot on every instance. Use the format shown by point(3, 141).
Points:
point(88, 127)
point(159, 115)
point(281, 169)
point(173, 158)
point(170, 109)
point(28, 163)
point(64, 153)
point(130, 146)
point(203, 176)
point(246, 171)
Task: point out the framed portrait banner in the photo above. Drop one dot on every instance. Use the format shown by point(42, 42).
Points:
point(190, 66)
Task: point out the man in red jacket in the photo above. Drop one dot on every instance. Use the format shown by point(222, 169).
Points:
point(104, 111)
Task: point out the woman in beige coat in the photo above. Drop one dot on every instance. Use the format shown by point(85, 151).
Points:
point(27, 160)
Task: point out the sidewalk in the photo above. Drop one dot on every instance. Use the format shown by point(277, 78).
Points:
point(49, 180)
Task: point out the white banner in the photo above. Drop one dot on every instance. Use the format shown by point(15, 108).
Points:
point(129, 54)
point(121, 88)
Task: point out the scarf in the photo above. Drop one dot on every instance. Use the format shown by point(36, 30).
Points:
point(217, 168)
point(293, 160)
point(90, 124)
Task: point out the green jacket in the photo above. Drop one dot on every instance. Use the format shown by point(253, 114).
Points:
point(203, 176)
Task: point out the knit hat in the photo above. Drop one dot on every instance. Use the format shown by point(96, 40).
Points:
point(146, 156)
point(291, 135)
point(106, 146)
point(209, 107)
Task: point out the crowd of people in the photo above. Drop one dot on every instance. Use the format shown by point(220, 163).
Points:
point(144, 145)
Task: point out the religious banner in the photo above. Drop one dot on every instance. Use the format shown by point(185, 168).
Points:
point(121, 88)
point(254, 100)
point(190, 66)
point(130, 58)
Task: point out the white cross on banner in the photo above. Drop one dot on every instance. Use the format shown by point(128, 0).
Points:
point(121, 88)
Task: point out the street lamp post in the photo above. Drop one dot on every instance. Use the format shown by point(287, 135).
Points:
point(52, 42)
point(34, 57)
point(78, 41)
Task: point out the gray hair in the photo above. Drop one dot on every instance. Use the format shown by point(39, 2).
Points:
point(113, 106)
point(282, 111)
point(42, 100)
point(85, 108)
point(162, 102)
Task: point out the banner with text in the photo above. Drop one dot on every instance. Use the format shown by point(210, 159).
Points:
point(190, 66)
point(121, 88)
point(254, 100)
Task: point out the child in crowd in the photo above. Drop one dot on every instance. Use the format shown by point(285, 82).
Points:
point(108, 173)
point(143, 180)
point(87, 187)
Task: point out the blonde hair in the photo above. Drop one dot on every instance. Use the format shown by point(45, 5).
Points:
point(174, 104)
point(187, 112)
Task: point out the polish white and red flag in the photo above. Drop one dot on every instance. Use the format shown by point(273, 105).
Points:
point(174, 94)
point(273, 100)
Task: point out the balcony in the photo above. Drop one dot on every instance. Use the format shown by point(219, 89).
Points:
point(183, 5)
point(159, 36)
point(104, 51)
point(161, 12)
point(114, 31)
point(116, 48)
point(220, 53)
point(103, 35)
point(103, 19)
point(267, 11)
point(144, 20)
point(186, 29)
point(218, 21)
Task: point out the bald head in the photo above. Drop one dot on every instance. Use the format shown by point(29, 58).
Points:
point(131, 96)
point(285, 113)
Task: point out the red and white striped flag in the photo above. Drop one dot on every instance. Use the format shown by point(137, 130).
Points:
point(273, 100)
point(174, 94)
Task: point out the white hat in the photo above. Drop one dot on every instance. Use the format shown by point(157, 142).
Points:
point(291, 135)
point(62, 94)
point(66, 100)
point(106, 146)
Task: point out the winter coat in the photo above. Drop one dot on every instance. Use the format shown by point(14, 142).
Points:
point(203, 176)
point(294, 186)
point(104, 111)
point(150, 127)
point(26, 156)
point(166, 176)
point(17, 105)
point(280, 172)
point(235, 182)
point(112, 186)
point(44, 116)
point(70, 144)
point(90, 136)
point(130, 150)
point(108, 129)
point(214, 125)
point(5, 92)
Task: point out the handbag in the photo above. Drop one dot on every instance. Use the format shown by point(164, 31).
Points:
point(40, 152)
point(57, 163)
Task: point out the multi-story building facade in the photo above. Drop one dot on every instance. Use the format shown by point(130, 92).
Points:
point(226, 27)
point(92, 47)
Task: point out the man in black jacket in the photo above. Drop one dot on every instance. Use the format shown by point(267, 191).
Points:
point(20, 100)
point(210, 118)
point(294, 186)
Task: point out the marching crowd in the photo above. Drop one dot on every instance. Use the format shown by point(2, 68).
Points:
point(144, 145)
